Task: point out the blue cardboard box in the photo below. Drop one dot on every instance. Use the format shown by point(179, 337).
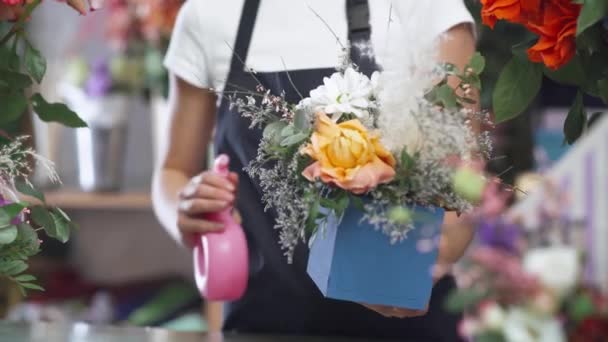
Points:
point(354, 262)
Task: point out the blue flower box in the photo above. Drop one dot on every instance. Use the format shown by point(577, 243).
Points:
point(354, 262)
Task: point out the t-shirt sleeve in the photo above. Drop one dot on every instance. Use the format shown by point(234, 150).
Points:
point(186, 56)
point(446, 14)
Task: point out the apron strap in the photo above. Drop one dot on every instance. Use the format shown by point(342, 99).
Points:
point(243, 37)
point(359, 32)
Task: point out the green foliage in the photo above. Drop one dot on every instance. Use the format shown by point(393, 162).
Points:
point(56, 112)
point(14, 105)
point(35, 64)
point(29, 190)
point(576, 120)
point(517, 86)
point(490, 336)
point(592, 12)
point(462, 300)
point(580, 307)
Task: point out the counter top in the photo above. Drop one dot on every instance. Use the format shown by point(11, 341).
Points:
point(81, 332)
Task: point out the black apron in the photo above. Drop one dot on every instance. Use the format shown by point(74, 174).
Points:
point(281, 298)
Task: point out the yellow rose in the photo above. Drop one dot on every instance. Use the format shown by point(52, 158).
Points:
point(348, 156)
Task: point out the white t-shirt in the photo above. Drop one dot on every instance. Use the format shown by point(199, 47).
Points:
point(289, 35)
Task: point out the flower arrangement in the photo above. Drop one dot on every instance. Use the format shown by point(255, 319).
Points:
point(525, 283)
point(23, 211)
point(118, 74)
point(144, 26)
point(382, 144)
point(570, 47)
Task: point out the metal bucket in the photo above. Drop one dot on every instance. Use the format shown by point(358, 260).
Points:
point(101, 147)
point(101, 156)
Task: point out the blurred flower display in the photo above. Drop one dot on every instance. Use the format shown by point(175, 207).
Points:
point(523, 283)
point(143, 27)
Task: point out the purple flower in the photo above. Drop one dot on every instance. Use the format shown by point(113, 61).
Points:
point(4, 202)
point(499, 234)
point(100, 81)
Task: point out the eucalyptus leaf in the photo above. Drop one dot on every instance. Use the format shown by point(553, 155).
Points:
point(29, 190)
point(8, 235)
point(294, 139)
point(8, 59)
point(301, 121)
point(13, 106)
point(463, 299)
point(357, 203)
point(576, 120)
point(490, 336)
point(287, 131)
point(56, 112)
point(273, 130)
point(35, 63)
point(518, 84)
point(592, 12)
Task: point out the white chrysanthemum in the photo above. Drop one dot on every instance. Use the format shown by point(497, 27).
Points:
point(348, 93)
point(543, 263)
point(522, 326)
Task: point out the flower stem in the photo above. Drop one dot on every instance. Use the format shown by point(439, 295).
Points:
point(21, 22)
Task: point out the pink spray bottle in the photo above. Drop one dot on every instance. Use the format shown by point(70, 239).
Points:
point(221, 262)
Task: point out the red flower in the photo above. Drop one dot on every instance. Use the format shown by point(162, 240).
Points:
point(590, 330)
point(557, 31)
point(515, 11)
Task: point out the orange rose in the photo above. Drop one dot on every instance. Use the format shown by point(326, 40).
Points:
point(557, 31)
point(515, 11)
point(348, 156)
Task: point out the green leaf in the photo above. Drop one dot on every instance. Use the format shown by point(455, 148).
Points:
point(490, 336)
point(272, 132)
point(8, 59)
point(56, 112)
point(28, 190)
point(28, 240)
point(8, 235)
point(517, 86)
point(357, 203)
point(463, 299)
point(477, 63)
point(35, 64)
point(11, 211)
point(32, 286)
point(15, 79)
point(592, 12)
point(407, 162)
point(447, 97)
point(520, 50)
point(602, 86)
point(288, 131)
point(301, 121)
point(42, 217)
point(294, 139)
point(24, 278)
point(13, 267)
point(580, 307)
point(62, 225)
point(13, 106)
point(576, 120)
point(572, 73)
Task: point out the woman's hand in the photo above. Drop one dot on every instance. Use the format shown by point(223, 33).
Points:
point(205, 193)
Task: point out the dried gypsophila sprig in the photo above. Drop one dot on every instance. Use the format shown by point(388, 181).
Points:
point(15, 164)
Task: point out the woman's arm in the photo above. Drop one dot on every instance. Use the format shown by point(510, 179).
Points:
point(180, 193)
point(457, 233)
